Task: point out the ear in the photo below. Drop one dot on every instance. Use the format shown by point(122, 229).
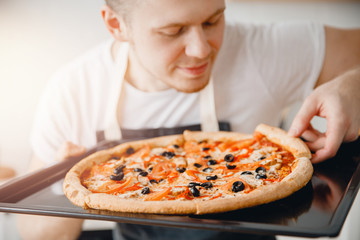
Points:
point(114, 23)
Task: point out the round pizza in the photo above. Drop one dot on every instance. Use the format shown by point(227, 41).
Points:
point(192, 173)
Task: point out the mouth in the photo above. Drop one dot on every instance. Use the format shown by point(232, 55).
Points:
point(195, 70)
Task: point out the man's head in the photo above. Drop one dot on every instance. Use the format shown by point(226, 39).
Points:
point(173, 43)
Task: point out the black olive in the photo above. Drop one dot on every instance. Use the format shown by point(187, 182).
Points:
point(197, 165)
point(207, 185)
point(246, 173)
point(144, 174)
point(260, 170)
point(211, 162)
point(208, 170)
point(229, 158)
point(117, 177)
point(230, 166)
point(119, 169)
point(193, 184)
point(138, 170)
point(168, 155)
point(211, 177)
point(150, 169)
point(176, 146)
point(195, 192)
point(237, 186)
point(261, 158)
point(130, 151)
point(161, 180)
point(145, 190)
point(180, 170)
point(205, 148)
point(207, 157)
point(153, 181)
point(261, 176)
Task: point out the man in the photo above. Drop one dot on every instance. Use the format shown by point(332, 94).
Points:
point(156, 74)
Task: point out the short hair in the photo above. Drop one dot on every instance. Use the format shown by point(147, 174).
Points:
point(122, 7)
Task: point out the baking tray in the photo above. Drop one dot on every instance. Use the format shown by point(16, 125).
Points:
point(319, 209)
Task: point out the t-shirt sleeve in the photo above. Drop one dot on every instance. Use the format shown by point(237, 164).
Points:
point(77, 101)
point(289, 57)
point(51, 120)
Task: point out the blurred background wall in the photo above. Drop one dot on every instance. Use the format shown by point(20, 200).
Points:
point(38, 36)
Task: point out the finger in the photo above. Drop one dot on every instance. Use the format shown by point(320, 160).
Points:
point(302, 119)
point(317, 145)
point(75, 150)
point(320, 156)
point(311, 134)
point(69, 149)
point(334, 137)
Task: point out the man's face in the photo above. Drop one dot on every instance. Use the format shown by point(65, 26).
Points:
point(175, 42)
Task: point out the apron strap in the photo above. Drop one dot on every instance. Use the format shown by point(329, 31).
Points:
point(112, 130)
point(209, 122)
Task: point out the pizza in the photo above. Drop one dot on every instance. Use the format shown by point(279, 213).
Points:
point(192, 173)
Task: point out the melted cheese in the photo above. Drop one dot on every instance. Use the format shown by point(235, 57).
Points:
point(252, 156)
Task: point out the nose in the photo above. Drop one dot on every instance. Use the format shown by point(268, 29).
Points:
point(197, 43)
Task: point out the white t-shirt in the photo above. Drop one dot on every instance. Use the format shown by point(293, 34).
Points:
point(260, 70)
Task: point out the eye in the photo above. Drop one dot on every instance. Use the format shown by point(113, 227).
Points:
point(172, 32)
point(213, 21)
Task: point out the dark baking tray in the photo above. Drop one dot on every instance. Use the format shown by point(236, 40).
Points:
point(319, 209)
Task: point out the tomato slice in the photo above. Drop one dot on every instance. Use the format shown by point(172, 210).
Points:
point(258, 136)
point(101, 169)
point(161, 170)
point(141, 152)
point(192, 173)
point(172, 176)
point(114, 187)
point(132, 188)
point(217, 196)
point(156, 196)
point(184, 194)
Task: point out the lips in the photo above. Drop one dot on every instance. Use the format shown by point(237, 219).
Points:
point(195, 70)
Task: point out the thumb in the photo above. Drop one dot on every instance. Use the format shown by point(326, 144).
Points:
point(302, 119)
point(69, 149)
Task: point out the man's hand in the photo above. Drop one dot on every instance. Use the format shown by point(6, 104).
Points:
point(338, 101)
point(68, 149)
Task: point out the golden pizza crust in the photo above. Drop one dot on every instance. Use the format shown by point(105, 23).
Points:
point(294, 145)
point(114, 203)
point(297, 179)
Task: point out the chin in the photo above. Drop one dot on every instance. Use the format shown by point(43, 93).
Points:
point(191, 85)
